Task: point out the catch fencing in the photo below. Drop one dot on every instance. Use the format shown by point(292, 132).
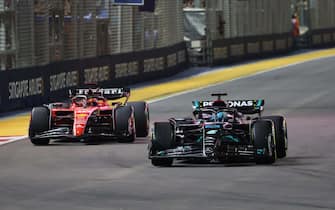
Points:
point(39, 32)
point(239, 29)
point(49, 46)
point(322, 22)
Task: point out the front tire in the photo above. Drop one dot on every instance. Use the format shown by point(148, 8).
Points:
point(281, 134)
point(264, 142)
point(40, 122)
point(163, 139)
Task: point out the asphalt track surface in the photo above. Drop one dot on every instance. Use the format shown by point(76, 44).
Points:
point(119, 176)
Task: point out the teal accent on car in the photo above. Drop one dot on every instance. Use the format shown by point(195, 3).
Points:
point(231, 138)
point(213, 126)
point(260, 151)
point(196, 104)
point(199, 139)
point(220, 116)
point(212, 132)
point(161, 153)
point(258, 103)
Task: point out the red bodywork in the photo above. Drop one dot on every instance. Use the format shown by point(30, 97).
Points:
point(76, 115)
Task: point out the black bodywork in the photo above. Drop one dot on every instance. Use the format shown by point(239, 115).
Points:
point(220, 131)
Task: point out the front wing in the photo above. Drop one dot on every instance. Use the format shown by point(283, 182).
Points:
point(227, 152)
point(65, 133)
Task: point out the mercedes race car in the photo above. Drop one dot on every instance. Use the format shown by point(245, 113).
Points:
point(220, 131)
point(91, 114)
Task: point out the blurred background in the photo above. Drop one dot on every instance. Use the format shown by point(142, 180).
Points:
point(57, 44)
point(38, 32)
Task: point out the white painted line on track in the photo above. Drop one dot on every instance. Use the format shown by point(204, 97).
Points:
point(8, 140)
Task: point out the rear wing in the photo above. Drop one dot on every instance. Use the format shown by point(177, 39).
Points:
point(247, 106)
point(243, 106)
point(108, 93)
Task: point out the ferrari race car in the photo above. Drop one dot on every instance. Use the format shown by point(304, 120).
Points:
point(220, 131)
point(92, 114)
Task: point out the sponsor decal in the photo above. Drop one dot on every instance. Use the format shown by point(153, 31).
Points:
point(240, 103)
point(181, 56)
point(113, 91)
point(267, 46)
point(237, 49)
point(107, 91)
point(220, 52)
point(64, 80)
point(153, 64)
point(25, 88)
point(126, 69)
point(201, 104)
point(97, 74)
point(82, 115)
point(172, 60)
point(207, 103)
point(253, 47)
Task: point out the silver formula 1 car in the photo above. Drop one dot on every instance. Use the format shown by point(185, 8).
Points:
point(220, 131)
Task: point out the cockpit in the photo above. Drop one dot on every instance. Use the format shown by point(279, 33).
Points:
point(80, 101)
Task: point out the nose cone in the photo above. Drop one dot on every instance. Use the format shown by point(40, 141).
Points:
point(79, 130)
point(80, 121)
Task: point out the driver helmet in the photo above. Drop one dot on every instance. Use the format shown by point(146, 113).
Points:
point(80, 102)
point(92, 102)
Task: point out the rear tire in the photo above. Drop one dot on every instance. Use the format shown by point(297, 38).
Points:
point(281, 134)
point(164, 139)
point(141, 113)
point(40, 122)
point(264, 142)
point(125, 124)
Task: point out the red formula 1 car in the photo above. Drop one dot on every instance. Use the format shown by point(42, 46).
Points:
point(91, 115)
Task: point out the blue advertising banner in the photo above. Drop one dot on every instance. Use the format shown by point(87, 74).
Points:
point(128, 2)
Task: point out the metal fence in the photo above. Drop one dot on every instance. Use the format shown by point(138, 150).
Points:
point(37, 32)
point(241, 18)
point(241, 28)
point(322, 14)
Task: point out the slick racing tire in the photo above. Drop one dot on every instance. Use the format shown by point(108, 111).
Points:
point(163, 139)
point(264, 142)
point(281, 134)
point(125, 124)
point(141, 113)
point(40, 122)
